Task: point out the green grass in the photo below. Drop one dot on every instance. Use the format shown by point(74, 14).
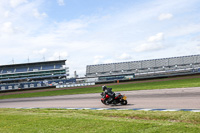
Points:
point(90, 121)
point(195, 82)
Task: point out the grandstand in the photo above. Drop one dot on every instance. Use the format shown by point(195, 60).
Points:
point(164, 67)
point(33, 75)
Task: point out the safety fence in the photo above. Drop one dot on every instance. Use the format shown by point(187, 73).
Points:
point(36, 84)
point(74, 85)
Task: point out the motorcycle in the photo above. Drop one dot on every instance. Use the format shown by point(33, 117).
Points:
point(106, 99)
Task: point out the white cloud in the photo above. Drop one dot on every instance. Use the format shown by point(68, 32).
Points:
point(148, 47)
point(98, 59)
point(8, 28)
point(165, 16)
point(109, 61)
point(61, 2)
point(42, 51)
point(125, 56)
point(72, 25)
point(184, 30)
point(39, 15)
point(7, 13)
point(15, 3)
point(157, 37)
point(152, 43)
point(58, 56)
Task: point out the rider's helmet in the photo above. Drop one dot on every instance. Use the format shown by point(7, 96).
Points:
point(104, 88)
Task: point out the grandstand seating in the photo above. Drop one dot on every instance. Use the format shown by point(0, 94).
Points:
point(7, 70)
point(35, 68)
point(47, 67)
point(58, 66)
point(21, 69)
point(169, 66)
point(17, 73)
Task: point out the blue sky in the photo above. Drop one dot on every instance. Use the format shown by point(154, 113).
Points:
point(87, 32)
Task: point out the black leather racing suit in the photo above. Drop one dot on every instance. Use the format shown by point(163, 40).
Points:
point(110, 93)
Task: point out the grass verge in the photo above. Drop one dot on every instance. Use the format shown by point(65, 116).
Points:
point(86, 121)
point(194, 82)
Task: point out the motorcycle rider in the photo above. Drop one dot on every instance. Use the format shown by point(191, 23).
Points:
point(109, 92)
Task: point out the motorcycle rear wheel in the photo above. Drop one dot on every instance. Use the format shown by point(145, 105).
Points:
point(106, 102)
point(102, 101)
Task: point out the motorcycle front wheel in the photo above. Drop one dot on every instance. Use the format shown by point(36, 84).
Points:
point(124, 102)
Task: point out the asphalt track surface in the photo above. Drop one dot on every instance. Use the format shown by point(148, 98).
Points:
point(178, 98)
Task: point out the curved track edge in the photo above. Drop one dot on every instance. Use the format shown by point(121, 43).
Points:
point(135, 109)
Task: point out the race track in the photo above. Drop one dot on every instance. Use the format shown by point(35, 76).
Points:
point(178, 98)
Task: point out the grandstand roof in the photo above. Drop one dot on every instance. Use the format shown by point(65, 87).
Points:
point(32, 63)
point(144, 60)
